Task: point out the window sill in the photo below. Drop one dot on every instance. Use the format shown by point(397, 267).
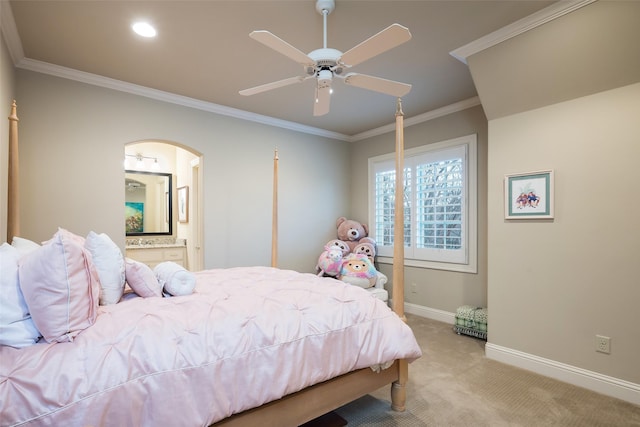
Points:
point(460, 268)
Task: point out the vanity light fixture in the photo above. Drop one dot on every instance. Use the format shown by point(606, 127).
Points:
point(140, 161)
point(144, 29)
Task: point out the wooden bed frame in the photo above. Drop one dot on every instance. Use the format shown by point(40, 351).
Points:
point(297, 408)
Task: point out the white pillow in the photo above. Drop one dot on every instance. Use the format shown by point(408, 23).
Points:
point(24, 246)
point(60, 286)
point(16, 326)
point(141, 279)
point(109, 262)
point(174, 278)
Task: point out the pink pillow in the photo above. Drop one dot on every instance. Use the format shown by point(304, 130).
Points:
point(60, 286)
point(141, 279)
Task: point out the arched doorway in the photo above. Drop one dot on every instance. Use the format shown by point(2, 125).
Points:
point(185, 166)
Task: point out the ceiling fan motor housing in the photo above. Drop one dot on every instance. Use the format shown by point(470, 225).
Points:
point(325, 59)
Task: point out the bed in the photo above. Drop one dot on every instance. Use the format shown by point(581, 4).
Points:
point(248, 346)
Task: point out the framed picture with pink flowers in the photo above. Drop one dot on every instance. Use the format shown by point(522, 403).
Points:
point(529, 195)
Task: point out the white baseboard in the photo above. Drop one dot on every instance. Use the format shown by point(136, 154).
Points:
point(609, 386)
point(430, 313)
point(594, 381)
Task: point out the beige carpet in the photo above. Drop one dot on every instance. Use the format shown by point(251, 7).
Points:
point(453, 384)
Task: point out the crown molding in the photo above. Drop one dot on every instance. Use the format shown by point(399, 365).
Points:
point(101, 81)
point(10, 32)
point(523, 25)
point(119, 85)
point(421, 118)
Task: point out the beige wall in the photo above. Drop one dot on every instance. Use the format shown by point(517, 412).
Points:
point(436, 289)
point(186, 230)
point(84, 135)
point(555, 284)
point(7, 85)
point(558, 97)
point(72, 138)
point(587, 51)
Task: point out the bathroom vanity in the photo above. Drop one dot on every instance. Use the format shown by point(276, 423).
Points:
point(155, 253)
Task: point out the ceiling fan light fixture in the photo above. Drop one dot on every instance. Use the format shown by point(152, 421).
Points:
point(324, 79)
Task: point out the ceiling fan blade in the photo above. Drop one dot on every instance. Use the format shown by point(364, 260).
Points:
point(323, 100)
point(272, 85)
point(378, 84)
point(276, 43)
point(392, 36)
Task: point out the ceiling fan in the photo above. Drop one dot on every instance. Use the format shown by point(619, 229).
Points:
point(324, 64)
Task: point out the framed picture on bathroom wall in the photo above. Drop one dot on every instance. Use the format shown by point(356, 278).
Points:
point(166, 207)
point(529, 195)
point(183, 204)
point(134, 217)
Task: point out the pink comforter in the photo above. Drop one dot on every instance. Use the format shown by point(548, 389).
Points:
point(245, 337)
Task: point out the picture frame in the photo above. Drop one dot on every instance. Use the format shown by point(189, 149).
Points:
point(183, 204)
point(166, 207)
point(529, 195)
point(134, 217)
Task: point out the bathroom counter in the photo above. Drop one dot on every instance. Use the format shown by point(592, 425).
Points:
point(154, 254)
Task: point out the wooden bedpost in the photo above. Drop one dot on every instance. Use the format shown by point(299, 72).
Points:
point(398, 225)
point(274, 225)
point(13, 201)
point(398, 388)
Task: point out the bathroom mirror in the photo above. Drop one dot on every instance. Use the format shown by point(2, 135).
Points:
point(148, 202)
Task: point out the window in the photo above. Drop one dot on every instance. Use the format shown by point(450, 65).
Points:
point(440, 205)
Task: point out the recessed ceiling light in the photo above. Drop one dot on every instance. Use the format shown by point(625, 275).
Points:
point(144, 29)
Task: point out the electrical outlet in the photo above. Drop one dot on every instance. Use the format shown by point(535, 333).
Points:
point(414, 288)
point(603, 344)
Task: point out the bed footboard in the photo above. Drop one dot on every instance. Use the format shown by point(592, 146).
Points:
point(312, 402)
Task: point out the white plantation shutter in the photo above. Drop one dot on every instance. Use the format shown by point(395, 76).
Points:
point(439, 222)
point(385, 181)
point(439, 203)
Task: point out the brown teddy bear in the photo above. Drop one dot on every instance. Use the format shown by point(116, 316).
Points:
point(353, 233)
